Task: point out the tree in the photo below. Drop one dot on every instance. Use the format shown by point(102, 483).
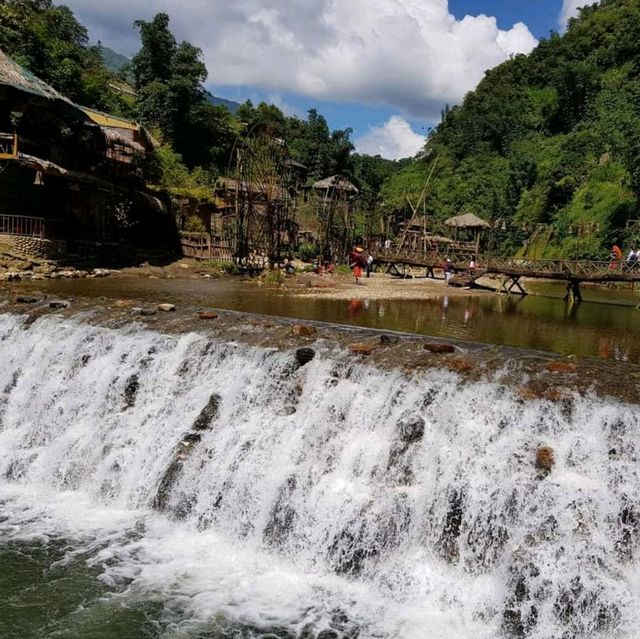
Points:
point(169, 80)
point(52, 44)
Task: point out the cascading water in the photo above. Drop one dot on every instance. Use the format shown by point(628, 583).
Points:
point(226, 482)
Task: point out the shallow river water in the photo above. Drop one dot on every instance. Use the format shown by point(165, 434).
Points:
point(606, 325)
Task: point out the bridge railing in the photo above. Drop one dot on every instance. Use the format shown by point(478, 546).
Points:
point(554, 269)
point(22, 225)
point(577, 268)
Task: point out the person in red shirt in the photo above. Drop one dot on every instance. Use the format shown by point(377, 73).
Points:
point(357, 261)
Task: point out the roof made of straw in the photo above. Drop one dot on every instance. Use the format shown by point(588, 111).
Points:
point(336, 183)
point(12, 74)
point(468, 221)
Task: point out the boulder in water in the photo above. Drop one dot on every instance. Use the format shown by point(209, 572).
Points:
point(167, 308)
point(26, 299)
point(301, 330)
point(58, 304)
point(147, 312)
point(438, 348)
point(208, 413)
point(411, 429)
point(304, 355)
point(131, 391)
point(362, 348)
point(122, 303)
point(389, 339)
point(207, 315)
point(545, 458)
point(561, 367)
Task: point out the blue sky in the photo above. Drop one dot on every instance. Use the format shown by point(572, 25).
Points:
point(385, 68)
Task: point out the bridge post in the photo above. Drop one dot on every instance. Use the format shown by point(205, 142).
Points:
point(514, 281)
point(573, 291)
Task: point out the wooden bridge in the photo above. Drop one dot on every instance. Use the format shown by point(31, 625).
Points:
point(573, 272)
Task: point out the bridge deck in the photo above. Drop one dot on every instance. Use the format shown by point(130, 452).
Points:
point(562, 270)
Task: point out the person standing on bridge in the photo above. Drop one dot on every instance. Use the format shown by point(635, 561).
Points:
point(632, 259)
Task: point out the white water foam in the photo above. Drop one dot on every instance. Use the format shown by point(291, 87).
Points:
point(300, 506)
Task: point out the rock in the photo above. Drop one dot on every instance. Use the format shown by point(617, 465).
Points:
point(166, 307)
point(545, 458)
point(136, 310)
point(459, 365)
point(101, 272)
point(131, 391)
point(561, 367)
point(300, 330)
point(58, 304)
point(190, 439)
point(328, 634)
point(304, 355)
point(207, 315)
point(122, 304)
point(147, 312)
point(439, 348)
point(362, 349)
point(26, 299)
point(389, 339)
point(208, 413)
point(411, 429)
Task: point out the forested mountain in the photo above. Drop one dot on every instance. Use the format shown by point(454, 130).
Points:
point(548, 144)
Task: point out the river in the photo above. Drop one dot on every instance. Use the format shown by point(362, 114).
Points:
point(158, 486)
point(606, 325)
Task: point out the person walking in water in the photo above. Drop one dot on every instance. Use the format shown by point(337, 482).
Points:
point(357, 261)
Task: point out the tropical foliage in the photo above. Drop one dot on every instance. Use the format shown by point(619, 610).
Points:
point(548, 144)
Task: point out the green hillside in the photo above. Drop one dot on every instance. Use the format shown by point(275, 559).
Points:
point(113, 60)
point(548, 144)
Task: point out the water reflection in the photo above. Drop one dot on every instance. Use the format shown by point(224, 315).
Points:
point(545, 323)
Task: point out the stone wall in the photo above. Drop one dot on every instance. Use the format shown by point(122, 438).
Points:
point(35, 246)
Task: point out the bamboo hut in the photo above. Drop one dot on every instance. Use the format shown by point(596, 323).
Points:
point(470, 222)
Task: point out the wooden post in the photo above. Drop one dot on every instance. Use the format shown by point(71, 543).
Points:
point(573, 292)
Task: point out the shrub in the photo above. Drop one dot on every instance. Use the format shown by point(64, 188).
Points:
point(308, 251)
point(194, 224)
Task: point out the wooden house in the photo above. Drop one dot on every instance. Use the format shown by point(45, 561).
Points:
point(72, 175)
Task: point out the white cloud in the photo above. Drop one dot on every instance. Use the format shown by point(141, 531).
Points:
point(409, 54)
point(394, 140)
point(570, 10)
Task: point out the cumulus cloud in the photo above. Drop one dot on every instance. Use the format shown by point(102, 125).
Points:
point(395, 139)
point(410, 54)
point(570, 10)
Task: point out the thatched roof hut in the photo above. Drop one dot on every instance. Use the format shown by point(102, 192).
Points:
point(467, 221)
point(13, 75)
point(336, 183)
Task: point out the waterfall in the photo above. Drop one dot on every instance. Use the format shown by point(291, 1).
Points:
point(333, 497)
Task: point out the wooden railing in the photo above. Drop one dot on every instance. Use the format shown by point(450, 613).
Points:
point(22, 225)
point(579, 270)
point(199, 246)
point(560, 269)
point(8, 146)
